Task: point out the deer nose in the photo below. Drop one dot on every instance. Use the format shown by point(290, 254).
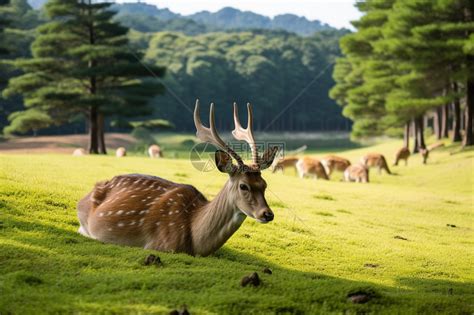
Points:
point(268, 215)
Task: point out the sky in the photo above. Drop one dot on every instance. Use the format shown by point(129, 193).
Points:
point(337, 13)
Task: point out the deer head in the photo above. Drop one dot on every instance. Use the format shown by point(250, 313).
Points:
point(245, 187)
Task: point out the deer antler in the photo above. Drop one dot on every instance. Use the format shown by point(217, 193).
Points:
point(246, 134)
point(210, 134)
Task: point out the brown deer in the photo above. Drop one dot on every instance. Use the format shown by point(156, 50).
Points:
point(333, 163)
point(357, 173)
point(121, 152)
point(311, 167)
point(154, 213)
point(154, 151)
point(424, 154)
point(402, 154)
point(287, 162)
point(375, 160)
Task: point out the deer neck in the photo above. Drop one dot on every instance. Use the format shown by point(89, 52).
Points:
point(216, 221)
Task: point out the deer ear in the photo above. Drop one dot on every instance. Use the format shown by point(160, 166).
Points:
point(224, 162)
point(267, 158)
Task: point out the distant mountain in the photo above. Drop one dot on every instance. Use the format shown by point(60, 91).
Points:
point(230, 18)
point(225, 19)
point(146, 10)
point(36, 4)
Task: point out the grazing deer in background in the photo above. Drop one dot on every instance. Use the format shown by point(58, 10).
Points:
point(357, 173)
point(310, 167)
point(121, 152)
point(402, 154)
point(154, 151)
point(154, 213)
point(424, 154)
point(333, 163)
point(375, 160)
point(286, 162)
point(79, 152)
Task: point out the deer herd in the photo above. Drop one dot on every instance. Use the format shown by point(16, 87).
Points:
point(324, 167)
point(155, 213)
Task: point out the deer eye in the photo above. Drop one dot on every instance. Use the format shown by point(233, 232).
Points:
point(244, 187)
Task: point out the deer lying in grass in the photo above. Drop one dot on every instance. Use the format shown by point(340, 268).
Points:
point(310, 167)
point(154, 213)
point(402, 154)
point(287, 162)
point(154, 151)
point(357, 173)
point(79, 152)
point(333, 163)
point(376, 160)
point(121, 152)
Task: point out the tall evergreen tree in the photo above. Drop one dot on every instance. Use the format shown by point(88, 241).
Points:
point(82, 63)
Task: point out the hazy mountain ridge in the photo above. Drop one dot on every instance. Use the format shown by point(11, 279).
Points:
point(225, 19)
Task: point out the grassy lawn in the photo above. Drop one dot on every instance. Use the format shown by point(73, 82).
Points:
point(406, 240)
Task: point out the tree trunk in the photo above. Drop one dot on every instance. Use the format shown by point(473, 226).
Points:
point(437, 122)
point(100, 133)
point(468, 134)
point(415, 136)
point(456, 116)
point(406, 135)
point(93, 144)
point(445, 122)
point(420, 133)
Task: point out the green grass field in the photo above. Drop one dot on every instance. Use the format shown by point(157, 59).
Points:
point(406, 240)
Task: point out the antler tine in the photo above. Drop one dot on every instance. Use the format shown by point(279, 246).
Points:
point(210, 134)
point(246, 134)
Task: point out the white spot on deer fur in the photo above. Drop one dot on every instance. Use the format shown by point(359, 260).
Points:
point(171, 223)
point(176, 211)
point(120, 224)
point(119, 212)
point(110, 229)
point(182, 226)
point(143, 212)
point(180, 195)
point(109, 212)
point(141, 221)
point(171, 199)
point(133, 222)
point(170, 213)
point(130, 212)
point(134, 196)
point(194, 205)
point(158, 223)
point(101, 214)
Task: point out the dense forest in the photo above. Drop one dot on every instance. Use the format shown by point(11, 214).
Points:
point(275, 70)
point(410, 65)
point(269, 69)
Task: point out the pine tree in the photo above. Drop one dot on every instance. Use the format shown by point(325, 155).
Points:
point(82, 64)
point(363, 77)
point(432, 37)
